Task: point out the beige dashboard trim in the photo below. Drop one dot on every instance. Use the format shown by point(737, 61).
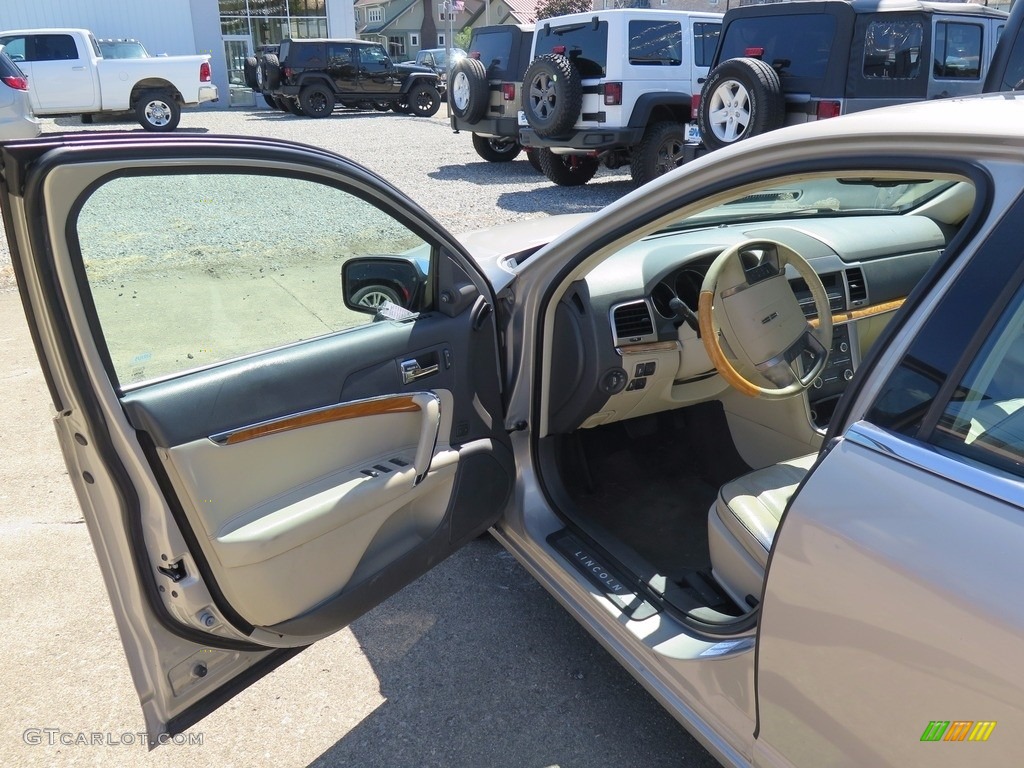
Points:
point(859, 314)
point(375, 407)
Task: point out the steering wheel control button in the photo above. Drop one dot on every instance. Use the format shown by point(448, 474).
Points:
point(818, 382)
point(614, 381)
point(848, 374)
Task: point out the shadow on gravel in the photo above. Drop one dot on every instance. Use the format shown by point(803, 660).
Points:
point(554, 199)
point(489, 173)
point(550, 696)
point(345, 115)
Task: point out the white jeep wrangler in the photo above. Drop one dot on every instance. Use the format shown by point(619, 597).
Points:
point(614, 87)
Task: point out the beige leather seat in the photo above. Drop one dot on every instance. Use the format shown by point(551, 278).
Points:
point(743, 521)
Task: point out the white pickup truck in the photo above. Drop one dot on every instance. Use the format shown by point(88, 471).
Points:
point(69, 76)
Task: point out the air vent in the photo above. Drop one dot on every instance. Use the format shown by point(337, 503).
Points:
point(833, 288)
point(858, 288)
point(632, 323)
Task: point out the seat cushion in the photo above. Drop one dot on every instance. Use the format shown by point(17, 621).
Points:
point(743, 522)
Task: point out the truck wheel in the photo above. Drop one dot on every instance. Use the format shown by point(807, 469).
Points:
point(158, 111)
point(468, 91)
point(660, 151)
point(317, 100)
point(496, 150)
point(87, 119)
point(271, 72)
point(424, 100)
point(567, 170)
point(552, 94)
point(249, 67)
point(740, 98)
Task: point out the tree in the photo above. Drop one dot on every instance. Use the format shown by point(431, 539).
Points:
point(549, 8)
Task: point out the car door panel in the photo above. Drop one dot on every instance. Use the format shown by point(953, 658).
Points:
point(262, 500)
point(882, 588)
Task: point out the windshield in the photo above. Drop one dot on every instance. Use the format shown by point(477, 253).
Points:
point(853, 196)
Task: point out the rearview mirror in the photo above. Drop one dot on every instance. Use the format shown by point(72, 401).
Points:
point(369, 282)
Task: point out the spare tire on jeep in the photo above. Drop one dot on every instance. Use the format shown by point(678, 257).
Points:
point(740, 98)
point(468, 90)
point(552, 94)
point(271, 72)
point(249, 67)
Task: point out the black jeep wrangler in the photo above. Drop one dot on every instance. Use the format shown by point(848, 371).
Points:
point(311, 77)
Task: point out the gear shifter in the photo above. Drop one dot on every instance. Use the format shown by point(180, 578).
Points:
point(684, 313)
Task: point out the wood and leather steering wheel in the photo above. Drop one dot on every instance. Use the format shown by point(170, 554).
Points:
point(747, 301)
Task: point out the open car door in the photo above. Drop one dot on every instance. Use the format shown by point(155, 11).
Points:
point(260, 456)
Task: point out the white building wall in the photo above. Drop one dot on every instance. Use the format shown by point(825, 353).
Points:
point(341, 18)
point(163, 26)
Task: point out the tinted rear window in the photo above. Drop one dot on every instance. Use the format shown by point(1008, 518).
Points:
point(494, 48)
point(796, 45)
point(656, 42)
point(307, 55)
point(1013, 76)
point(586, 45)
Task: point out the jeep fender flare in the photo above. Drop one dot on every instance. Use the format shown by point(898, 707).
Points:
point(672, 106)
point(415, 78)
point(315, 77)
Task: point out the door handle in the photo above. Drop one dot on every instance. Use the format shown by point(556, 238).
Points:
point(412, 370)
point(78, 69)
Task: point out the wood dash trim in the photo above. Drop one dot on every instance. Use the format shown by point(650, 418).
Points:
point(343, 412)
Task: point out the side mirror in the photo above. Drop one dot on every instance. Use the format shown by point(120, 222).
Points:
point(369, 282)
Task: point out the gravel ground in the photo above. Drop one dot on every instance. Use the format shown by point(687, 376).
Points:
point(421, 157)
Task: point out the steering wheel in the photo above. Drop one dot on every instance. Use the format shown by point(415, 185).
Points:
point(746, 297)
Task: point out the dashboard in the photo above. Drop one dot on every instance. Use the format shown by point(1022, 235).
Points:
point(626, 342)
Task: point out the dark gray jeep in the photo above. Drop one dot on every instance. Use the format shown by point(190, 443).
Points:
point(311, 77)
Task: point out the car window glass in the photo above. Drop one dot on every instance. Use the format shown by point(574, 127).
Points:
point(984, 420)
point(187, 270)
point(54, 48)
point(585, 45)
point(705, 41)
point(373, 57)
point(892, 49)
point(656, 42)
point(339, 55)
point(796, 45)
point(493, 50)
point(306, 55)
point(957, 51)
point(14, 47)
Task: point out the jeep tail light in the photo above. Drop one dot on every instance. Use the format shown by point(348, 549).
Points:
point(17, 82)
point(287, 72)
point(695, 106)
point(828, 109)
point(754, 52)
point(474, 55)
point(508, 91)
point(205, 73)
point(559, 49)
point(612, 94)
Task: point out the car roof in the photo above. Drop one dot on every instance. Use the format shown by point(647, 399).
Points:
point(631, 13)
point(872, 6)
